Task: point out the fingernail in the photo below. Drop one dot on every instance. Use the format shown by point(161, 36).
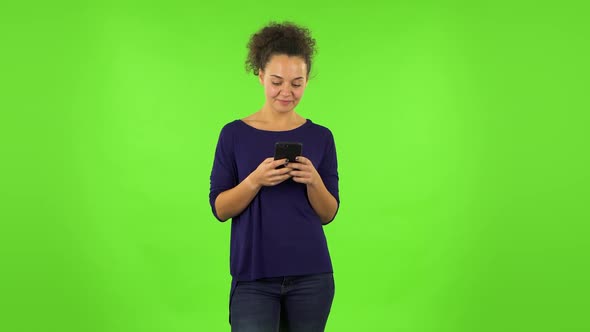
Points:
point(287, 160)
point(296, 158)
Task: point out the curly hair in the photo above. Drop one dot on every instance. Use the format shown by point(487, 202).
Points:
point(279, 38)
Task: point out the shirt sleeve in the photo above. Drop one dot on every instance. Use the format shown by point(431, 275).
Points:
point(224, 171)
point(328, 170)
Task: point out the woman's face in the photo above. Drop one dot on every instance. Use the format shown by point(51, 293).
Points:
point(284, 80)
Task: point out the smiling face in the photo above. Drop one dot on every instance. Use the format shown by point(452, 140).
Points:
point(284, 80)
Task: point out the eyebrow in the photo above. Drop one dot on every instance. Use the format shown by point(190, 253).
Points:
point(281, 77)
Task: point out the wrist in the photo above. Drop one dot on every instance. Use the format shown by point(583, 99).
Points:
point(252, 183)
point(315, 183)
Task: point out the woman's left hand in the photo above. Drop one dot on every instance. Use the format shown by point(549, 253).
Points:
point(304, 171)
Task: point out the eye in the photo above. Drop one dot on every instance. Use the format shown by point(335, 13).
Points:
point(295, 85)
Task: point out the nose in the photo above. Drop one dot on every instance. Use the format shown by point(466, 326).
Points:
point(286, 92)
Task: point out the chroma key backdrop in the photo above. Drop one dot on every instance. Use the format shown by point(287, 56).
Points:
point(462, 137)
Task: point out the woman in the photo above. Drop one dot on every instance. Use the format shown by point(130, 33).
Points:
point(279, 261)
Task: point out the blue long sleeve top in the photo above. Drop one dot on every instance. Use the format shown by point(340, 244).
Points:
point(279, 233)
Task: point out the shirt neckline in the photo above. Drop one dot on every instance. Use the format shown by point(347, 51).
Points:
point(305, 124)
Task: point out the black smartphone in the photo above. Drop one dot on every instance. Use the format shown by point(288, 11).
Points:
point(288, 150)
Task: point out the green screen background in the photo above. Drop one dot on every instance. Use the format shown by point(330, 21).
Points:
point(462, 136)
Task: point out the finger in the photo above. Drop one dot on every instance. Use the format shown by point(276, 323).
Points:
point(279, 162)
point(300, 179)
point(303, 160)
point(268, 161)
point(276, 172)
point(299, 166)
point(280, 175)
point(278, 179)
point(283, 170)
point(284, 177)
point(300, 174)
point(294, 165)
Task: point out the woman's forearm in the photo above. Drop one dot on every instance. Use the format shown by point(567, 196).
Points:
point(232, 202)
point(323, 203)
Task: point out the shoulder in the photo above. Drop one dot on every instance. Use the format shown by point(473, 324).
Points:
point(230, 128)
point(228, 133)
point(321, 130)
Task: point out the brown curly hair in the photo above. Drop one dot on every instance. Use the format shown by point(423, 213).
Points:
point(279, 38)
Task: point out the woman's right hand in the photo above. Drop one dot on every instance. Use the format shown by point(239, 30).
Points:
point(232, 202)
point(266, 173)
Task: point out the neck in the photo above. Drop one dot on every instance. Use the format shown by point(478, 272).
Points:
point(279, 118)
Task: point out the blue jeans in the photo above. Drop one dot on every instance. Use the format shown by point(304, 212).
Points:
point(293, 303)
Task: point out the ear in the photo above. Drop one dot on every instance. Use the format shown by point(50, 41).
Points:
point(261, 76)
